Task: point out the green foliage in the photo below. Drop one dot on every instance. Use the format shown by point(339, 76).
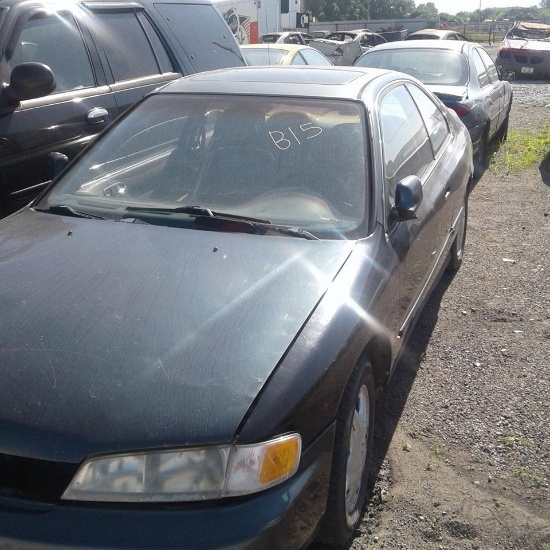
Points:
point(523, 149)
point(354, 10)
point(425, 10)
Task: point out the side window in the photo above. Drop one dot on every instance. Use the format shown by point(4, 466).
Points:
point(405, 143)
point(488, 62)
point(298, 60)
point(481, 71)
point(435, 121)
point(56, 41)
point(202, 34)
point(127, 46)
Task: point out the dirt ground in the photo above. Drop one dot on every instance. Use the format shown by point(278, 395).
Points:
point(463, 441)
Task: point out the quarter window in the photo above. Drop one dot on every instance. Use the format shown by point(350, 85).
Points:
point(491, 69)
point(482, 77)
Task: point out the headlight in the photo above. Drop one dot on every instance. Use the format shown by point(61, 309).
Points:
point(186, 475)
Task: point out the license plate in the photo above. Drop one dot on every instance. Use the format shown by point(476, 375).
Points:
point(527, 70)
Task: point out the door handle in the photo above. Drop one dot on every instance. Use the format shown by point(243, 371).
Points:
point(97, 115)
point(447, 193)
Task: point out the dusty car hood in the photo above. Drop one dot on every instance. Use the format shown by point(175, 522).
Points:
point(118, 336)
point(526, 44)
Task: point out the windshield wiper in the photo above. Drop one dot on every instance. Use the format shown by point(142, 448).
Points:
point(205, 214)
point(195, 211)
point(66, 210)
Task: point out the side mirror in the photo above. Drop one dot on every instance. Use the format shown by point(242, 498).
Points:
point(57, 163)
point(408, 196)
point(31, 80)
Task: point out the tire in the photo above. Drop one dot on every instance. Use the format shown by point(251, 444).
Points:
point(456, 254)
point(480, 158)
point(352, 457)
point(4, 201)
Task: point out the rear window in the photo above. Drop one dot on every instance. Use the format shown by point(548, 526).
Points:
point(203, 35)
point(430, 66)
point(263, 56)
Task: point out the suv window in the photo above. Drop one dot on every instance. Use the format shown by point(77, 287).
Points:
point(205, 50)
point(56, 41)
point(128, 47)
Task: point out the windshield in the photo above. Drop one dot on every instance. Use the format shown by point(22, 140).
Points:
point(295, 162)
point(430, 66)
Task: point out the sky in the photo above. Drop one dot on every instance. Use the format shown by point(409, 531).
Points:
point(452, 6)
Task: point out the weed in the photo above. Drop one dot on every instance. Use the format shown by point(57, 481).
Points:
point(522, 149)
point(531, 475)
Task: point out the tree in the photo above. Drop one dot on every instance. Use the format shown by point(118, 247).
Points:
point(427, 10)
point(391, 9)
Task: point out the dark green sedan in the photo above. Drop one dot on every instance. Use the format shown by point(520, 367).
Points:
point(200, 312)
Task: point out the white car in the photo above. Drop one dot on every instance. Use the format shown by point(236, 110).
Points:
point(345, 47)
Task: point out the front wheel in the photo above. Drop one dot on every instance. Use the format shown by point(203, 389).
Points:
point(352, 457)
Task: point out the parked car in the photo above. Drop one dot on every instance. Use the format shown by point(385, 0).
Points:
point(319, 33)
point(283, 54)
point(345, 47)
point(70, 68)
point(525, 51)
point(287, 37)
point(463, 76)
point(200, 312)
point(435, 34)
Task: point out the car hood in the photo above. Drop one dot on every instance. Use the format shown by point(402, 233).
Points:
point(449, 93)
point(526, 44)
point(118, 336)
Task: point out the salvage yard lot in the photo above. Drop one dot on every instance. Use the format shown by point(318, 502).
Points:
point(463, 446)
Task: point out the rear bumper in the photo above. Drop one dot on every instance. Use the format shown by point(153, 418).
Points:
point(523, 68)
point(284, 517)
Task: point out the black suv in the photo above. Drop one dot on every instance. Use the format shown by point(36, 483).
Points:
point(68, 69)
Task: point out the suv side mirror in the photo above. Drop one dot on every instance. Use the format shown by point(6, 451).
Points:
point(31, 80)
point(57, 163)
point(408, 196)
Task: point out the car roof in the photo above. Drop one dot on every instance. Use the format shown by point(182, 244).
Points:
point(68, 3)
point(276, 46)
point(435, 32)
point(302, 81)
point(456, 45)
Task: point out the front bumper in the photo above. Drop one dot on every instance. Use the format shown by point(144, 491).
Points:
point(285, 517)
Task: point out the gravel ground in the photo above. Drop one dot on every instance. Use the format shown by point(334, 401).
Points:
point(463, 442)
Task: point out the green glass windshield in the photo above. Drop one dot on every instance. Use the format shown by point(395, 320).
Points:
point(290, 161)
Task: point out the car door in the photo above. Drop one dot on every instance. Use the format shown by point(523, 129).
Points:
point(131, 50)
point(80, 106)
point(490, 90)
point(503, 88)
point(421, 243)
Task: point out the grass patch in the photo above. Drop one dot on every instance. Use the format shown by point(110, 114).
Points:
point(534, 477)
point(523, 149)
point(510, 441)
